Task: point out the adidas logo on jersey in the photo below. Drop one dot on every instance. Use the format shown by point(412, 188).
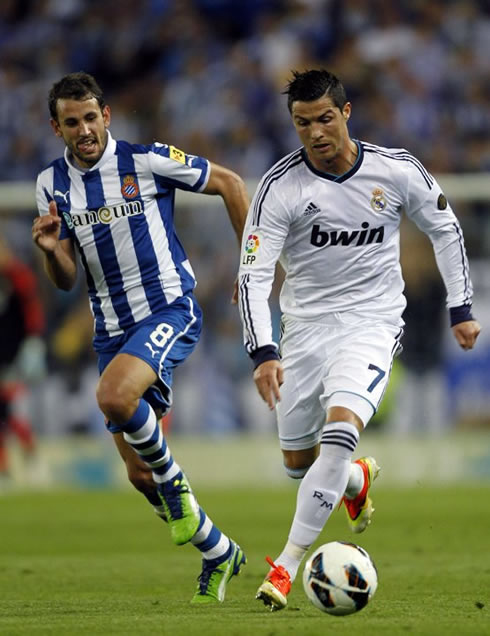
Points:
point(310, 209)
point(365, 236)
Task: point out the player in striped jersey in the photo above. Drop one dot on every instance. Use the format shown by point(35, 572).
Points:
point(113, 203)
point(330, 214)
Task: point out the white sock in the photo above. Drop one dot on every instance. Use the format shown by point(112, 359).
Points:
point(290, 558)
point(324, 484)
point(355, 482)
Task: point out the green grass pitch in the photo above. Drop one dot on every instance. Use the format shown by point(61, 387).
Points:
point(100, 563)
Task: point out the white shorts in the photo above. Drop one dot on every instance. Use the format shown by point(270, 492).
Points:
point(342, 361)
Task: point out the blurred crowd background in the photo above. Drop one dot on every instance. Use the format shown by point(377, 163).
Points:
point(207, 76)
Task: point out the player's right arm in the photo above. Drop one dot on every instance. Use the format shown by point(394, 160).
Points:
point(265, 232)
point(59, 255)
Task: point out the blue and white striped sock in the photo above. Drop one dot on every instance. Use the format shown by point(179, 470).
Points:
point(209, 539)
point(144, 434)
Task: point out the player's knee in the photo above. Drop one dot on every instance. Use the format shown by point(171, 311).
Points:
point(114, 403)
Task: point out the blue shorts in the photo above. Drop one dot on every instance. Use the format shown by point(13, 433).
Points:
point(163, 341)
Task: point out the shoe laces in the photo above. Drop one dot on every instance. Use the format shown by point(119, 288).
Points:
point(279, 577)
point(209, 568)
point(172, 494)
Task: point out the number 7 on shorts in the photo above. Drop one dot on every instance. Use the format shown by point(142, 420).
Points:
point(377, 379)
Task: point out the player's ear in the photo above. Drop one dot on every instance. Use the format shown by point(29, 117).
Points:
point(106, 115)
point(55, 126)
point(346, 111)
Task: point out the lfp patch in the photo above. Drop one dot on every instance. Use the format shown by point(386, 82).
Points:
point(252, 244)
point(129, 188)
point(251, 247)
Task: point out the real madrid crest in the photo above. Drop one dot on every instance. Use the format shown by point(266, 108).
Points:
point(129, 188)
point(378, 201)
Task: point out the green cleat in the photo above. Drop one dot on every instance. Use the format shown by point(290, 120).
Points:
point(212, 581)
point(181, 508)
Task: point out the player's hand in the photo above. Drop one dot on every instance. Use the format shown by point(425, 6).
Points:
point(46, 229)
point(466, 333)
point(268, 377)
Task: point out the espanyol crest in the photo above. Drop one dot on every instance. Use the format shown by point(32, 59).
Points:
point(129, 188)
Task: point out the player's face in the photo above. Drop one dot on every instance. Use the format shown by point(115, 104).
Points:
point(83, 127)
point(322, 129)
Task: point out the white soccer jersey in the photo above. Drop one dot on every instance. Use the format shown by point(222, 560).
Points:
point(120, 216)
point(337, 238)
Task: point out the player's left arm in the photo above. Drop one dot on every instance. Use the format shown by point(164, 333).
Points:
point(231, 188)
point(176, 169)
point(428, 207)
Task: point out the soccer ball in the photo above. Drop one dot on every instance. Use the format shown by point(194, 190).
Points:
point(340, 578)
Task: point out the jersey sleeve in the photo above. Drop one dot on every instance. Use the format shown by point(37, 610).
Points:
point(173, 168)
point(428, 207)
point(265, 232)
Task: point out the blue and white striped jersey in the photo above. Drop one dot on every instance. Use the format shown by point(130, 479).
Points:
point(120, 216)
point(337, 239)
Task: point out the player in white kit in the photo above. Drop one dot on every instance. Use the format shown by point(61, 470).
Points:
point(330, 213)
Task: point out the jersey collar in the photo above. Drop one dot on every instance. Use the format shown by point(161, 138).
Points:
point(338, 178)
point(110, 150)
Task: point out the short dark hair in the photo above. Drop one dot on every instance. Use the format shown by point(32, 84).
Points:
point(79, 86)
point(314, 84)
